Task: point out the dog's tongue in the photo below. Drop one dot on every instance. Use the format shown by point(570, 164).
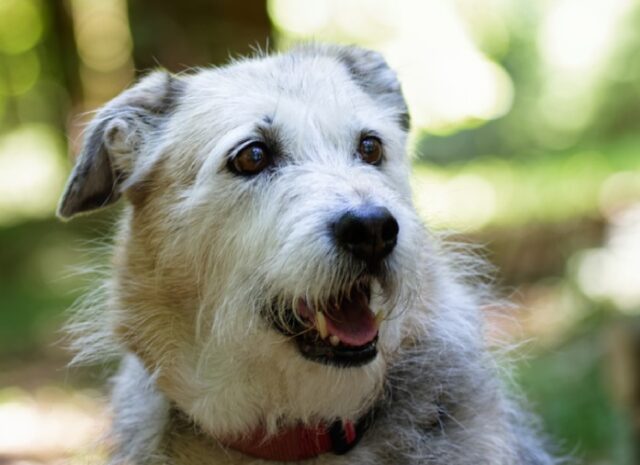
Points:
point(352, 321)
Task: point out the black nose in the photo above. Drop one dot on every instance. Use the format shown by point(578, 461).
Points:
point(369, 232)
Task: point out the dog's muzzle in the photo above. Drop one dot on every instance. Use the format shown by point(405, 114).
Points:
point(343, 330)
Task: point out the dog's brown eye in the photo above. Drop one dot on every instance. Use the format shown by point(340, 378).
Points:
point(370, 150)
point(252, 159)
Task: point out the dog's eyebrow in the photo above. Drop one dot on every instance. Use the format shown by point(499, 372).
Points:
point(272, 136)
point(262, 131)
point(371, 133)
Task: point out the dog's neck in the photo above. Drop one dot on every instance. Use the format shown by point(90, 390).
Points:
point(297, 442)
point(300, 442)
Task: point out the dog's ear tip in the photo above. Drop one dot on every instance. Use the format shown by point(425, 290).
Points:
point(73, 201)
point(69, 209)
point(66, 210)
point(63, 215)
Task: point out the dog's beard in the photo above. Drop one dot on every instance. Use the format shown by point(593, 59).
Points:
point(327, 305)
point(257, 346)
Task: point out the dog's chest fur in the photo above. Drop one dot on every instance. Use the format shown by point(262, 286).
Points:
point(438, 409)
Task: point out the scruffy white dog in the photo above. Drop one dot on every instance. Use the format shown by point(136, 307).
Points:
point(273, 293)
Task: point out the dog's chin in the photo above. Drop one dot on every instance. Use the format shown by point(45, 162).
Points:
point(341, 332)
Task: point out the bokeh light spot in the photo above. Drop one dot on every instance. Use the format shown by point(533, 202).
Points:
point(465, 201)
point(22, 71)
point(299, 17)
point(104, 43)
point(449, 83)
point(31, 172)
point(20, 26)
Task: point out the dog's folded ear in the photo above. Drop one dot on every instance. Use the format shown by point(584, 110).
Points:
point(371, 72)
point(115, 143)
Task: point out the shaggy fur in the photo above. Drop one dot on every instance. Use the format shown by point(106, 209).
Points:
point(202, 254)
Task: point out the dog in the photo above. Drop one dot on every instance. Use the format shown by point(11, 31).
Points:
point(272, 293)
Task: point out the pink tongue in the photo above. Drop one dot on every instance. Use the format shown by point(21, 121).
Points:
point(352, 321)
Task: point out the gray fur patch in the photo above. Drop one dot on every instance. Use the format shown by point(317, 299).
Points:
point(127, 120)
point(373, 74)
point(370, 71)
point(136, 434)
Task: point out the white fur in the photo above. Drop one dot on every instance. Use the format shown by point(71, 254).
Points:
point(234, 245)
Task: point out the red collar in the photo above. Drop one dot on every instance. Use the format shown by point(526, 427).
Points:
point(301, 442)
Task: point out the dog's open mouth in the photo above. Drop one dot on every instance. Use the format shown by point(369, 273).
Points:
point(344, 332)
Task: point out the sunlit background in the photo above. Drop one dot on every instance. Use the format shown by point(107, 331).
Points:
point(526, 139)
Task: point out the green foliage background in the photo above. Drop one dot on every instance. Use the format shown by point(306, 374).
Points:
point(556, 188)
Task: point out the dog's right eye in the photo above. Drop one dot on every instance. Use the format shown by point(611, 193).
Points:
point(251, 159)
point(370, 150)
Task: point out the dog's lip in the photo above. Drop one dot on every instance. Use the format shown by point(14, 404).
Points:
point(341, 356)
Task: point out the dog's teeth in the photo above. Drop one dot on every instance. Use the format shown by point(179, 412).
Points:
point(334, 340)
point(379, 318)
point(321, 325)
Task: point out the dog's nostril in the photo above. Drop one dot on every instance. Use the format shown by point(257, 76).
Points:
point(390, 229)
point(352, 231)
point(368, 232)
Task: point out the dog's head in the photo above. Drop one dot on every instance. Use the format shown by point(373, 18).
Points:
point(268, 255)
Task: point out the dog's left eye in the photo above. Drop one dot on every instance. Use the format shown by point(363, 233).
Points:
point(370, 150)
point(252, 159)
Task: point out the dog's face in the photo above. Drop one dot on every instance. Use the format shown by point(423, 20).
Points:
point(268, 259)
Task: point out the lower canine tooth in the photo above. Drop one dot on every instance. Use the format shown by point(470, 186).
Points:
point(379, 318)
point(321, 325)
point(334, 340)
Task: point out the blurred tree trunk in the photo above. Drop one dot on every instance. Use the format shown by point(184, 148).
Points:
point(624, 373)
point(528, 253)
point(62, 45)
point(55, 86)
point(181, 34)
